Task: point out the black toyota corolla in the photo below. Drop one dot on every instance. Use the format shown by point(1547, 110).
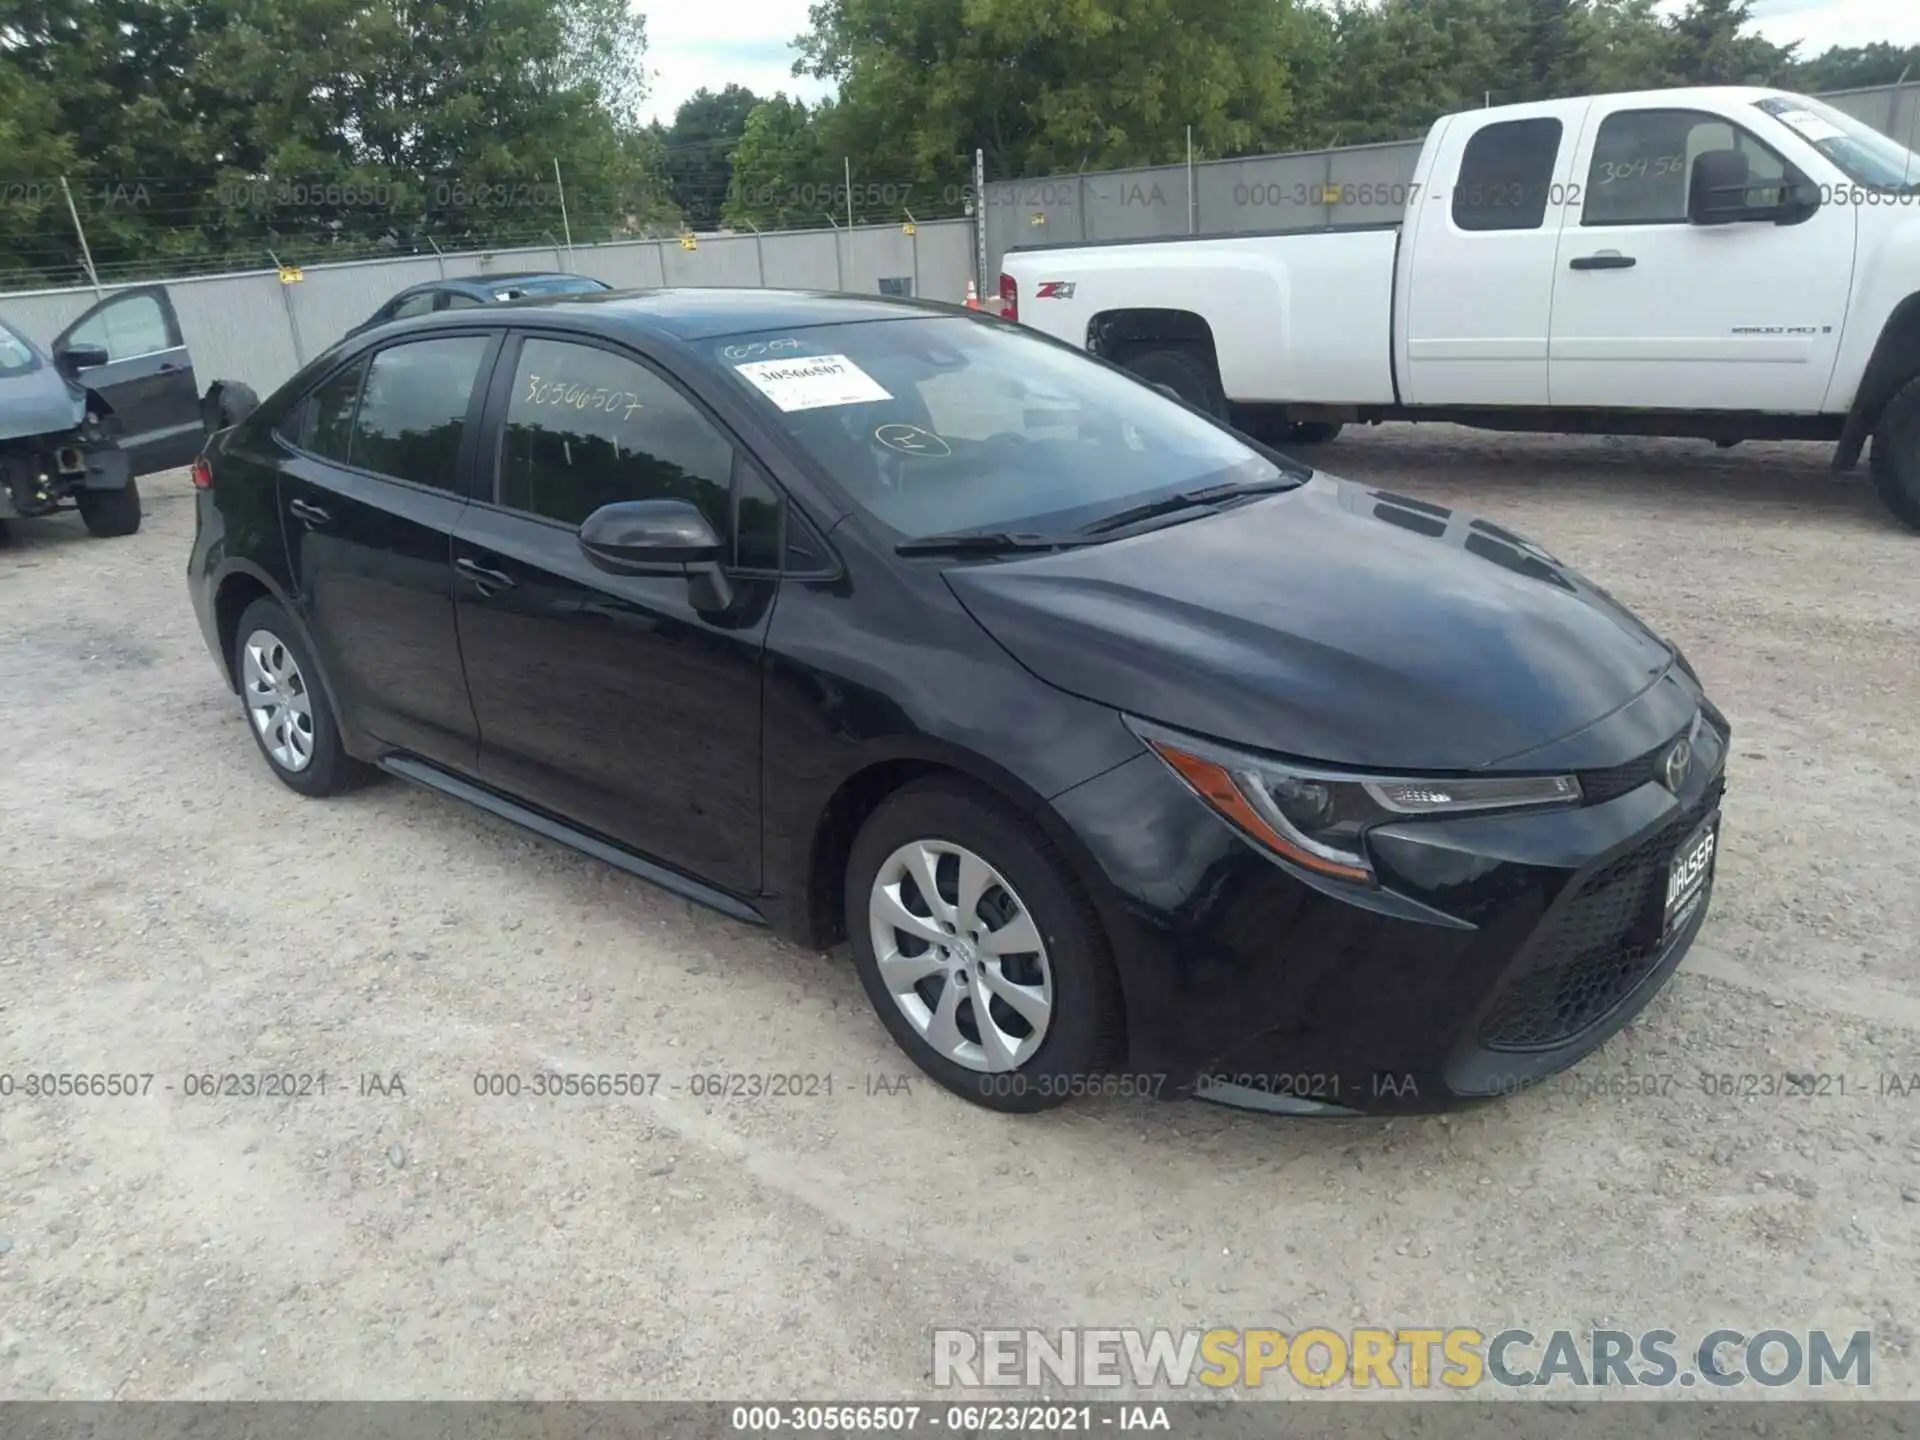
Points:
point(1127, 754)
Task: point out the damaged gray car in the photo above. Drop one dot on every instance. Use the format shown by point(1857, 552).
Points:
point(111, 400)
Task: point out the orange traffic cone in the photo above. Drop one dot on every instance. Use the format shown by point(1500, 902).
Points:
point(973, 295)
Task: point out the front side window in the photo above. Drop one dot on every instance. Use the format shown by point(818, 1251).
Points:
point(126, 327)
point(413, 410)
point(1865, 155)
point(587, 427)
point(459, 300)
point(1643, 163)
point(413, 305)
point(934, 426)
point(1505, 175)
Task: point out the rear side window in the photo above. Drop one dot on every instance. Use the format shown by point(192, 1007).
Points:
point(1505, 175)
point(414, 409)
point(324, 422)
point(413, 305)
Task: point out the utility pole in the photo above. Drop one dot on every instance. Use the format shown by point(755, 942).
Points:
point(86, 254)
point(980, 218)
point(565, 228)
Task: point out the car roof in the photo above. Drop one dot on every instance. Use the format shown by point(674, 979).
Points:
point(705, 313)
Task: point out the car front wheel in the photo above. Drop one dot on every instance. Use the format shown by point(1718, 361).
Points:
point(979, 950)
point(1896, 455)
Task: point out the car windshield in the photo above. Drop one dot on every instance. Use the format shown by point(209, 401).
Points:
point(554, 285)
point(15, 354)
point(942, 426)
point(1868, 157)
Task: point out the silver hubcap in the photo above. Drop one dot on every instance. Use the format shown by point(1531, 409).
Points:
point(277, 700)
point(960, 955)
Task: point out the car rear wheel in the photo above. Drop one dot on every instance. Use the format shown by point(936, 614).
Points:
point(110, 513)
point(1185, 370)
point(979, 951)
point(1896, 455)
point(1314, 432)
point(287, 707)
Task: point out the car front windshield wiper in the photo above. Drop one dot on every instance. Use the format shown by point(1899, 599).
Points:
point(985, 542)
point(1204, 498)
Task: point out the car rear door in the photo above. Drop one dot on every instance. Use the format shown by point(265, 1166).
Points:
point(616, 701)
point(1479, 274)
point(148, 378)
point(377, 478)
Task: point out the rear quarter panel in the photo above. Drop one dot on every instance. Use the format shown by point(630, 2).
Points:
point(1303, 317)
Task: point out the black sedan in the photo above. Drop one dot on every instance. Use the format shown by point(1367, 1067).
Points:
point(472, 291)
point(1130, 756)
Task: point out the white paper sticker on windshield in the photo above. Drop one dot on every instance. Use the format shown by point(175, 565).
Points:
point(813, 381)
point(1812, 126)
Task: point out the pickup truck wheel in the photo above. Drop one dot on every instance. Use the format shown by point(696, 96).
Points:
point(107, 513)
point(1314, 432)
point(1185, 371)
point(1896, 455)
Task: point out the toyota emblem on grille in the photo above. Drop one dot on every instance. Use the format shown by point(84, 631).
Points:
point(1678, 761)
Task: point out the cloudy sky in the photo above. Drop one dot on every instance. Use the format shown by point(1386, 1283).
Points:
point(692, 43)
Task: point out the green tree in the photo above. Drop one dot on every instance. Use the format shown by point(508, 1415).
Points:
point(1855, 67)
point(1048, 85)
point(699, 150)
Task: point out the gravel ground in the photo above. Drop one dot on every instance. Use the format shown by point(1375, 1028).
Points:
point(166, 907)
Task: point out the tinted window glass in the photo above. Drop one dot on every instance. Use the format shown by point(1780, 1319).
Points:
point(415, 408)
point(587, 428)
point(132, 325)
point(457, 301)
point(326, 416)
point(1643, 159)
point(1505, 174)
point(756, 542)
point(940, 425)
point(413, 305)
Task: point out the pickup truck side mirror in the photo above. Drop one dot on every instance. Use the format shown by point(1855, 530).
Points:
point(75, 358)
point(1718, 187)
point(659, 537)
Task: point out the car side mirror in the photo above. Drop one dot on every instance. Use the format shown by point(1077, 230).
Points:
point(75, 358)
point(1718, 187)
point(659, 537)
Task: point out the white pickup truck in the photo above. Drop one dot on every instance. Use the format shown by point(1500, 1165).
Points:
point(1732, 264)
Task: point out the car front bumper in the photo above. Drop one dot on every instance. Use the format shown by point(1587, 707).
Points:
point(1497, 951)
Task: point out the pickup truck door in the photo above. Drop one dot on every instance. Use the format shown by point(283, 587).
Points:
point(148, 377)
point(1476, 264)
point(1652, 312)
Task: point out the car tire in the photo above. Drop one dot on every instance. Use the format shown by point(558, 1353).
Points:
point(286, 706)
point(1895, 462)
point(1314, 432)
point(1185, 371)
point(108, 514)
point(1068, 1028)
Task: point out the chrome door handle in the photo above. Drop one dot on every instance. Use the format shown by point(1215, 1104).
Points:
point(307, 514)
point(486, 579)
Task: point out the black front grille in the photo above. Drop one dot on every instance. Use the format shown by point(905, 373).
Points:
point(1598, 786)
point(1597, 950)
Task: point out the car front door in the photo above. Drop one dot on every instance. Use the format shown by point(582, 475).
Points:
point(147, 380)
point(627, 705)
point(376, 478)
point(1651, 311)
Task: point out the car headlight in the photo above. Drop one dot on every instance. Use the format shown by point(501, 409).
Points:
point(1318, 817)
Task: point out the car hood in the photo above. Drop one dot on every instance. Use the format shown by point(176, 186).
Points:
point(38, 402)
point(1334, 622)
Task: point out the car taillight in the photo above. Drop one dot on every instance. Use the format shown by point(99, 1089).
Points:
point(202, 474)
point(1009, 297)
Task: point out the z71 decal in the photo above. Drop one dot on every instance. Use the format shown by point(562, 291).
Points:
point(1054, 290)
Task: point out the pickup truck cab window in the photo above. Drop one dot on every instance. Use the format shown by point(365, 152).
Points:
point(1505, 175)
point(1642, 160)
